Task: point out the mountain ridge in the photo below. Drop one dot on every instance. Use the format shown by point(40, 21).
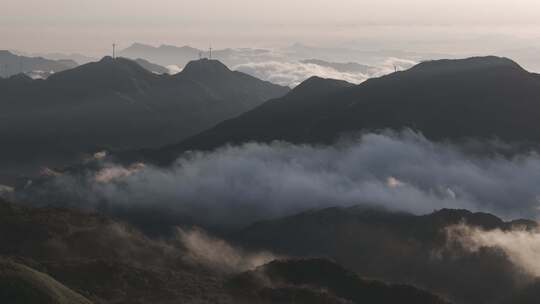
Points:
point(116, 104)
point(12, 64)
point(476, 98)
point(398, 247)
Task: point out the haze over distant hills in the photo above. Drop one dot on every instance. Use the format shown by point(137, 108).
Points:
point(11, 64)
point(152, 67)
point(348, 67)
point(117, 104)
point(164, 55)
point(173, 55)
point(79, 58)
point(481, 97)
point(285, 66)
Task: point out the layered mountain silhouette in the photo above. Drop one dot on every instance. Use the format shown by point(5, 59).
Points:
point(11, 64)
point(79, 58)
point(407, 258)
point(152, 67)
point(321, 281)
point(167, 55)
point(164, 55)
point(346, 67)
point(62, 256)
point(117, 104)
point(399, 247)
point(482, 97)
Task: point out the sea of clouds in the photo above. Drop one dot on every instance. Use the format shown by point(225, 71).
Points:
point(292, 73)
point(237, 185)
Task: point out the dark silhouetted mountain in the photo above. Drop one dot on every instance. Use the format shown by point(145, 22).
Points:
point(347, 67)
point(104, 260)
point(15, 81)
point(484, 97)
point(528, 295)
point(11, 64)
point(117, 104)
point(321, 281)
point(107, 261)
point(246, 127)
point(398, 247)
point(526, 56)
point(106, 76)
point(314, 87)
point(152, 67)
point(20, 284)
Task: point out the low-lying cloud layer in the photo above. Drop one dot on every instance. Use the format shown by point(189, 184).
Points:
point(218, 254)
point(521, 246)
point(239, 185)
point(292, 73)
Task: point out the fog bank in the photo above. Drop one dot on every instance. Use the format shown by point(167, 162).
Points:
point(234, 186)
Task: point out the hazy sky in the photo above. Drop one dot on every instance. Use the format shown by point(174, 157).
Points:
point(90, 26)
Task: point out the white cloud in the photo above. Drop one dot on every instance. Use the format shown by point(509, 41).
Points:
point(239, 185)
point(218, 254)
point(521, 246)
point(293, 73)
point(290, 73)
point(173, 69)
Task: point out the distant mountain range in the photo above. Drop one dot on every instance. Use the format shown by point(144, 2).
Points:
point(167, 55)
point(349, 67)
point(11, 64)
point(164, 55)
point(79, 58)
point(481, 97)
point(152, 67)
point(117, 104)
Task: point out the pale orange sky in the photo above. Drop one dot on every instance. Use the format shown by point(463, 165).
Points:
point(90, 25)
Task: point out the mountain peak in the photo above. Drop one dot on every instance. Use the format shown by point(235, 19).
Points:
point(138, 46)
point(205, 68)
point(118, 63)
point(115, 73)
point(317, 85)
point(106, 59)
point(464, 65)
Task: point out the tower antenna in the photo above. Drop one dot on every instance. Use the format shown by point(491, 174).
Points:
point(210, 52)
point(395, 68)
point(114, 50)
